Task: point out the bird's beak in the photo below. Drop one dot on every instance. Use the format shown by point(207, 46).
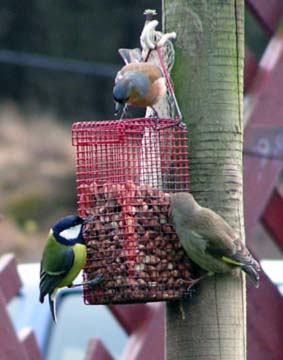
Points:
point(118, 108)
point(87, 219)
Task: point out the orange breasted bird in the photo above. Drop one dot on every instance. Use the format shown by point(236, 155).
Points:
point(209, 240)
point(139, 84)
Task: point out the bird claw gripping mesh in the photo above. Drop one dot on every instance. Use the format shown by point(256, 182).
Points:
point(125, 173)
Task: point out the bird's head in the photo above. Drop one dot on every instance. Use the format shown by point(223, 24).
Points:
point(69, 230)
point(184, 203)
point(129, 87)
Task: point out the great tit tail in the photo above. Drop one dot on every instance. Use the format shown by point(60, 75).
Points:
point(41, 298)
point(52, 305)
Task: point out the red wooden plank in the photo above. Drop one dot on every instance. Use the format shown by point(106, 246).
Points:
point(260, 178)
point(264, 142)
point(147, 342)
point(97, 351)
point(273, 217)
point(267, 12)
point(130, 316)
point(10, 282)
point(265, 322)
point(250, 69)
point(265, 305)
point(10, 347)
point(261, 174)
point(268, 109)
point(267, 79)
point(28, 341)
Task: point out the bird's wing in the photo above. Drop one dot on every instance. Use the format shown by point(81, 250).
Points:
point(54, 270)
point(242, 256)
point(216, 231)
point(224, 243)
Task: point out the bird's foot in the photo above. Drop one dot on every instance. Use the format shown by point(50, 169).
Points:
point(193, 282)
point(190, 291)
point(154, 115)
point(90, 283)
point(124, 112)
point(96, 281)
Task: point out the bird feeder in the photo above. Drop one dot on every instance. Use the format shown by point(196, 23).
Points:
point(125, 173)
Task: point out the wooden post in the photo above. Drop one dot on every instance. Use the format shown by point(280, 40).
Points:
point(208, 79)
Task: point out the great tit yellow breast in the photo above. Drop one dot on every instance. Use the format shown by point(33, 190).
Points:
point(79, 262)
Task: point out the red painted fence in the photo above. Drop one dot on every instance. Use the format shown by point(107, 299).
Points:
point(13, 346)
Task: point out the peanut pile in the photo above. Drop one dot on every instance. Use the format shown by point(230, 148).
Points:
point(131, 241)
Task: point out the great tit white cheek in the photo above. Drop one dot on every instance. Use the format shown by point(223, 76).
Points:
point(72, 232)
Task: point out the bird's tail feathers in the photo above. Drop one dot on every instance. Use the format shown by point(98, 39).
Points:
point(252, 273)
point(52, 304)
point(131, 55)
point(247, 262)
point(41, 298)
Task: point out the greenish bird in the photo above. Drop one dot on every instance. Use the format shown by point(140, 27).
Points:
point(209, 240)
point(64, 255)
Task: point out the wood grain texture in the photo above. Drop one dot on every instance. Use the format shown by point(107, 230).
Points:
point(208, 78)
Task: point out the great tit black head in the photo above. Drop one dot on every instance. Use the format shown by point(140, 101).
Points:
point(69, 230)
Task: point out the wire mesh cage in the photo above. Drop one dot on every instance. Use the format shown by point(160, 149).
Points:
point(125, 173)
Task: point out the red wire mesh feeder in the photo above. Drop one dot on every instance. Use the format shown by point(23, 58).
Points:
point(125, 172)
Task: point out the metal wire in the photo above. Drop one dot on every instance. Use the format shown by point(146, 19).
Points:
point(125, 172)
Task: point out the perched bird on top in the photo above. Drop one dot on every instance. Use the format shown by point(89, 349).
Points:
point(209, 240)
point(139, 84)
point(63, 257)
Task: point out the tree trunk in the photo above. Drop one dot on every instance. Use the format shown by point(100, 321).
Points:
point(208, 79)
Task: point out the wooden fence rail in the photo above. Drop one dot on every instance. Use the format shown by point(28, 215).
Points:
point(12, 345)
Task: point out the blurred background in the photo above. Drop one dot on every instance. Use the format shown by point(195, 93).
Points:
point(58, 61)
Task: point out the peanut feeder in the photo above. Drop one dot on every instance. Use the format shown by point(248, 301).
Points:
point(125, 173)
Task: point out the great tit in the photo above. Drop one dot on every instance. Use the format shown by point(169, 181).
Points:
point(209, 240)
point(64, 255)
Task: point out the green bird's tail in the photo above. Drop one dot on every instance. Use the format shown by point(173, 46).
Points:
point(52, 305)
point(244, 259)
point(252, 273)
